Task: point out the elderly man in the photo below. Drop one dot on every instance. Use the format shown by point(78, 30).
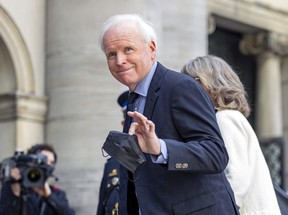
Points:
point(176, 128)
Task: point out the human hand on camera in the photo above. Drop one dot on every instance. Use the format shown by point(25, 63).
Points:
point(15, 174)
point(43, 191)
point(16, 187)
point(145, 130)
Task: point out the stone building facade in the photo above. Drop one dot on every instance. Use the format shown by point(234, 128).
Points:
point(55, 86)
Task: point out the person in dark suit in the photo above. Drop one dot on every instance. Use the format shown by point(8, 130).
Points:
point(109, 189)
point(176, 130)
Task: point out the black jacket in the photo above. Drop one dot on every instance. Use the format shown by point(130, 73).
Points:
point(109, 190)
point(56, 204)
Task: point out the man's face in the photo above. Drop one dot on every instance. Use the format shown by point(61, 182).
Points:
point(50, 157)
point(129, 57)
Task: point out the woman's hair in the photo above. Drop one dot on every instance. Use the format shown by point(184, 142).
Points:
point(145, 28)
point(220, 81)
point(42, 146)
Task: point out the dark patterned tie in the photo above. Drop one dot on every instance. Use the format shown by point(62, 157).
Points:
point(130, 107)
point(132, 203)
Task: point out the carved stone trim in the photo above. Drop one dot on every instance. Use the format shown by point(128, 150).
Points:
point(19, 53)
point(27, 107)
point(7, 107)
point(264, 41)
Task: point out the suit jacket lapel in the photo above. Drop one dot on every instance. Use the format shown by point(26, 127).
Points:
point(152, 92)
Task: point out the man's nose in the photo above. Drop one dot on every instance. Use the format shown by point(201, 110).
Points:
point(121, 58)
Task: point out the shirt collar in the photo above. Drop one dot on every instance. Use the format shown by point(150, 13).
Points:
point(143, 86)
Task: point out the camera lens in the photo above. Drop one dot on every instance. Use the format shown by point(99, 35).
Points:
point(34, 175)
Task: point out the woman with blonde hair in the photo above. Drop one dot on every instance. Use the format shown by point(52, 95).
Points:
point(247, 170)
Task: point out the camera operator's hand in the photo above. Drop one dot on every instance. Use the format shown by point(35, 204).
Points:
point(15, 186)
point(43, 191)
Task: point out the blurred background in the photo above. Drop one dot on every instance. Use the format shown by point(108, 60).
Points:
point(55, 86)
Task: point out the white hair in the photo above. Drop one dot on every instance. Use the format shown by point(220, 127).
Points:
point(144, 27)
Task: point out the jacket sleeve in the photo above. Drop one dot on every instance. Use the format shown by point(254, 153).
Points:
point(9, 203)
point(59, 202)
point(201, 149)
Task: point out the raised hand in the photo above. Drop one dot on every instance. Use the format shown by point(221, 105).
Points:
point(145, 131)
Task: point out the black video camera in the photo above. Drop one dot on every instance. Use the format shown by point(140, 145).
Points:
point(33, 168)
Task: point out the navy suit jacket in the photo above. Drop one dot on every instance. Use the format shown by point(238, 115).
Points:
point(192, 181)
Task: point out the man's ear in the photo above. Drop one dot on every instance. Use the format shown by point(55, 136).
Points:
point(153, 47)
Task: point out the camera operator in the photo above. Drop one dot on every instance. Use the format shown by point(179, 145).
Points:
point(16, 199)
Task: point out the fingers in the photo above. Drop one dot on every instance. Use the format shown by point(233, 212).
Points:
point(47, 190)
point(15, 174)
point(145, 130)
point(133, 128)
point(43, 191)
point(16, 189)
point(141, 124)
point(151, 126)
point(138, 117)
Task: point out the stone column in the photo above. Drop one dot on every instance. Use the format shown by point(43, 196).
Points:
point(285, 112)
point(31, 113)
point(184, 32)
point(285, 96)
point(269, 47)
point(23, 115)
point(269, 102)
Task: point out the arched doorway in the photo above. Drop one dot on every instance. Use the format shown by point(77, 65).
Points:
point(22, 112)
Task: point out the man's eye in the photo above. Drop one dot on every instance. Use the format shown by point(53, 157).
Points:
point(111, 55)
point(128, 50)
